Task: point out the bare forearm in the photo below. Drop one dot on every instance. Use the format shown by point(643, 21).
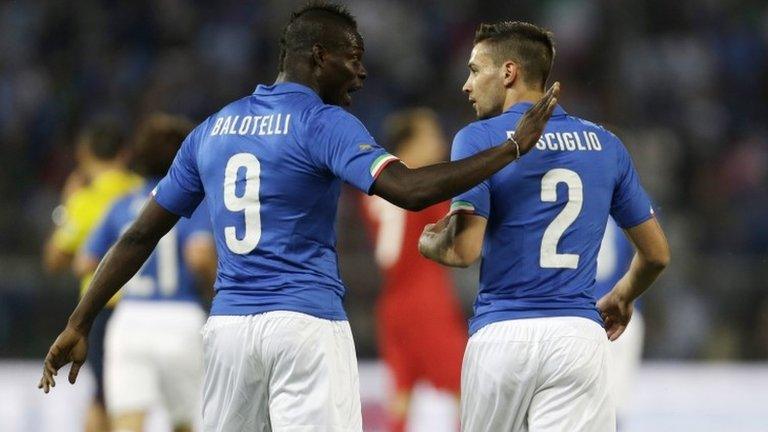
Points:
point(436, 247)
point(453, 241)
point(415, 189)
point(651, 259)
point(119, 265)
point(641, 275)
point(122, 261)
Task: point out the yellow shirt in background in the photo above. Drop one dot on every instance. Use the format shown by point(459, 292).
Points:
point(84, 210)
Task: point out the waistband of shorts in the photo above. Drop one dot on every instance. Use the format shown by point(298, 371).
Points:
point(541, 329)
point(221, 318)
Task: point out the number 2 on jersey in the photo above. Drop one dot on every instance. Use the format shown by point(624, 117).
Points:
point(248, 202)
point(549, 257)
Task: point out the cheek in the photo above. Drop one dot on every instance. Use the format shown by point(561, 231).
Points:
point(493, 87)
point(484, 86)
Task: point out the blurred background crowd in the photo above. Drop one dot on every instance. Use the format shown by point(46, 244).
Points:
point(683, 83)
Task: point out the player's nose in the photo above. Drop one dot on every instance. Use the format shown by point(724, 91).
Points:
point(467, 88)
point(362, 73)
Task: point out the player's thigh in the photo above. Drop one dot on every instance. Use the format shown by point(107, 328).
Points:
point(497, 378)
point(235, 385)
point(573, 393)
point(131, 379)
point(128, 422)
point(181, 364)
point(314, 384)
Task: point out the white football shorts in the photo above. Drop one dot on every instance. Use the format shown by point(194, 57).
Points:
point(153, 357)
point(539, 374)
point(280, 371)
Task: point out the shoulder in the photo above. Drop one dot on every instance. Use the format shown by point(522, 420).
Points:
point(476, 135)
point(608, 140)
point(594, 127)
point(324, 114)
point(333, 123)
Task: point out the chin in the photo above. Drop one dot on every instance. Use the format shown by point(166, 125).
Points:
point(483, 115)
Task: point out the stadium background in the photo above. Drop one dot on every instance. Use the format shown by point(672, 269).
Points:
point(682, 83)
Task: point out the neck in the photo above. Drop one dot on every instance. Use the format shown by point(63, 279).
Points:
point(299, 76)
point(96, 168)
point(515, 96)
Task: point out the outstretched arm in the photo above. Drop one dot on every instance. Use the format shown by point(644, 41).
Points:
point(651, 259)
point(120, 264)
point(415, 189)
point(455, 240)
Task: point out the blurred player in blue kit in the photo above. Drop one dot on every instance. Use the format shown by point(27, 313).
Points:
point(537, 357)
point(278, 352)
point(153, 348)
point(613, 261)
point(100, 177)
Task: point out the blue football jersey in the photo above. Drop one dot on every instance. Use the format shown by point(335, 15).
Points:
point(271, 166)
point(546, 215)
point(165, 275)
point(616, 253)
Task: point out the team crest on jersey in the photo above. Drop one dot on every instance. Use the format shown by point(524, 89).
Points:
point(365, 147)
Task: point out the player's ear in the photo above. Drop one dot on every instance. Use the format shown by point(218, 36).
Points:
point(509, 69)
point(318, 54)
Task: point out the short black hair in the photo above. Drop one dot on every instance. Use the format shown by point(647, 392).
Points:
point(315, 22)
point(157, 140)
point(530, 46)
point(104, 138)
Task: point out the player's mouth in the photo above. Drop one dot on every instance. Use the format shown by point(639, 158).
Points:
point(347, 98)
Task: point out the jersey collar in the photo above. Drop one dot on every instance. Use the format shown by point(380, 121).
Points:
point(522, 107)
point(284, 87)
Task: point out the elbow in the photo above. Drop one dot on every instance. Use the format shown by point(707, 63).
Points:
point(415, 205)
point(461, 264)
point(416, 199)
point(659, 261)
point(464, 259)
point(402, 190)
point(410, 200)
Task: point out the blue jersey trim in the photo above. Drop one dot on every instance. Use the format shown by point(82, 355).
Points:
point(481, 321)
point(231, 309)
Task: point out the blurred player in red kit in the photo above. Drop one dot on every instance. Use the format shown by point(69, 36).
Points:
point(421, 329)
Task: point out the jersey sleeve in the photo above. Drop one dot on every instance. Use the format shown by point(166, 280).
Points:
point(181, 190)
point(477, 200)
point(630, 205)
point(337, 141)
point(104, 235)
